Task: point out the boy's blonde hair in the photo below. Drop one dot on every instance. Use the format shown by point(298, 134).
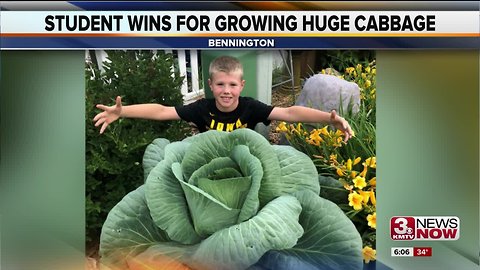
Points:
point(227, 64)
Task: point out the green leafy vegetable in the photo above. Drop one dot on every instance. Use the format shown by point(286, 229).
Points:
point(222, 200)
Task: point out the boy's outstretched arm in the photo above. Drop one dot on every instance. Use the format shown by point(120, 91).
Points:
point(145, 111)
point(310, 115)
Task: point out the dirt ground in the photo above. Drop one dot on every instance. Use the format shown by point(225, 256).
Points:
point(281, 97)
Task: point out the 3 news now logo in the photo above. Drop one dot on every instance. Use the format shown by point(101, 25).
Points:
point(425, 228)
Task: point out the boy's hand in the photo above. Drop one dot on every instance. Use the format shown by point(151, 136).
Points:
point(342, 124)
point(110, 114)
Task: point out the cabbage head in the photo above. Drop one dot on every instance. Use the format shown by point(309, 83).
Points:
point(221, 200)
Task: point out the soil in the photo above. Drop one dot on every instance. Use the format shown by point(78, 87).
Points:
point(281, 97)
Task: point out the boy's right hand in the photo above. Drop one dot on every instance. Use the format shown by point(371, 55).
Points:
point(110, 114)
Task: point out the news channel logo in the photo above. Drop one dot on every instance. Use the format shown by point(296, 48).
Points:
point(436, 228)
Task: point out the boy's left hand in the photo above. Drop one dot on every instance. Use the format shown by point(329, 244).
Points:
point(342, 124)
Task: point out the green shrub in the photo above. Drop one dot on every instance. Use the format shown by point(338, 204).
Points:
point(114, 158)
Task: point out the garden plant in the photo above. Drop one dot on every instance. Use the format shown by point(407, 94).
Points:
point(113, 159)
point(221, 200)
point(347, 171)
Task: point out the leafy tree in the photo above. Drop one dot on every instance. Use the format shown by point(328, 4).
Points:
point(114, 158)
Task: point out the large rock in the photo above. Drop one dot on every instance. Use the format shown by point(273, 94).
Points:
point(323, 92)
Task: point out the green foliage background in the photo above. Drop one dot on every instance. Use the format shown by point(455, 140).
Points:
point(114, 158)
point(341, 59)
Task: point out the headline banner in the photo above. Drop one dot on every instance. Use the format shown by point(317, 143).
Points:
point(254, 29)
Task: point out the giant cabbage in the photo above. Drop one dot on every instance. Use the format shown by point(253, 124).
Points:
point(221, 200)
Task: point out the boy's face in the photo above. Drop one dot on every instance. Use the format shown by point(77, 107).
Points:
point(226, 88)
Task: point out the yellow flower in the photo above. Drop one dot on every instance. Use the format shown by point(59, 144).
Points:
point(349, 70)
point(372, 197)
point(323, 71)
point(374, 71)
point(365, 195)
point(368, 83)
point(348, 187)
point(359, 182)
point(349, 164)
point(368, 254)
point(333, 159)
point(364, 172)
point(371, 162)
point(312, 142)
point(282, 127)
point(367, 69)
point(355, 200)
point(372, 220)
point(338, 143)
point(353, 174)
point(340, 172)
point(373, 182)
point(315, 137)
point(324, 130)
point(359, 66)
point(357, 160)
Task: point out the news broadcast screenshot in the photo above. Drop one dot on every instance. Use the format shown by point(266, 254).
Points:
point(239, 135)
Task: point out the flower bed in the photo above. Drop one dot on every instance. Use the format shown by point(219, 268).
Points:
point(347, 171)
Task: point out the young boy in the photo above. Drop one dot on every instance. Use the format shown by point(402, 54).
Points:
point(226, 111)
